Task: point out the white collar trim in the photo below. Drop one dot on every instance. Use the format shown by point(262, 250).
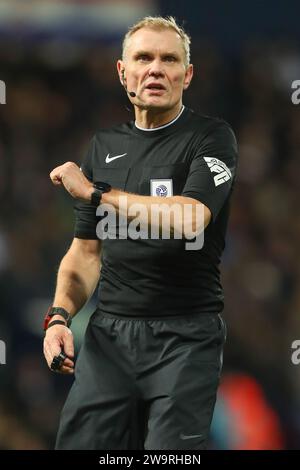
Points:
point(160, 127)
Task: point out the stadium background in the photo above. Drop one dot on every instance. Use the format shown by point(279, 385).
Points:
point(57, 59)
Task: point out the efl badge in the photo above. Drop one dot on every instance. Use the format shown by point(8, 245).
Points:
point(217, 166)
point(161, 188)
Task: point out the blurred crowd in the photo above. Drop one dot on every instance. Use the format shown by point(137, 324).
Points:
point(57, 97)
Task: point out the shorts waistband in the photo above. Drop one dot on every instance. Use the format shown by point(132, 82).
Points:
point(156, 317)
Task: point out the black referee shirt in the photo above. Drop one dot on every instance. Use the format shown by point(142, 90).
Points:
point(194, 156)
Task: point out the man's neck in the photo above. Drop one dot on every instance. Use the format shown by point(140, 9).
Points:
point(152, 118)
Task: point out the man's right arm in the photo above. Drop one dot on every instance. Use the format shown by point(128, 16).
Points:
point(77, 279)
point(78, 275)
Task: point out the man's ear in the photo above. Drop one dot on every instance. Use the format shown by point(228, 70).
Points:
point(121, 70)
point(188, 76)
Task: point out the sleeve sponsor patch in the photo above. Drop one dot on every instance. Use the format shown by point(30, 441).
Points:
point(217, 166)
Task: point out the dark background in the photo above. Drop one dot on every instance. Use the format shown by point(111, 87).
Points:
point(61, 85)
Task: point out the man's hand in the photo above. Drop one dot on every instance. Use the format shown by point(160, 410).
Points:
point(74, 181)
point(59, 338)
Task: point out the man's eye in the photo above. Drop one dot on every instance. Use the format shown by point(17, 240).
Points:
point(143, 58)
point(170, 58)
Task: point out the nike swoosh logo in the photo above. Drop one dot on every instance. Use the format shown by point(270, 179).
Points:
point(110, 159)
point(192, 436)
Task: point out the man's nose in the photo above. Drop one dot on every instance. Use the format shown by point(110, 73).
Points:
point(156, 69)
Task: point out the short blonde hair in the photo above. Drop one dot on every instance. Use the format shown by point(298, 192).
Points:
point(158, 23)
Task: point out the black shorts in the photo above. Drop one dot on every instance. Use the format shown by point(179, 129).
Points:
point(144, 383)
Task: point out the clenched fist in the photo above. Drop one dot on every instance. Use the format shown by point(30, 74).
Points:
point(71, 177)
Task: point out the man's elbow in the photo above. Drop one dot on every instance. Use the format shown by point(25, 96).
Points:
point(195, 218)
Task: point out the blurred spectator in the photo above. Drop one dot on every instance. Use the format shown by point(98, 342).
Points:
point(243, 420)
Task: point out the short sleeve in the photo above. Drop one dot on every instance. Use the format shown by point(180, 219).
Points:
point(212, 171)
point(85, 214)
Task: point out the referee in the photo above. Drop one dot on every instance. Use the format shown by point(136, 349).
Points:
point(149, 367)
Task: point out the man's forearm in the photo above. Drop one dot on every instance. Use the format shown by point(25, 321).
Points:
point(186, 215)
point(76, 281)
point(189, 216)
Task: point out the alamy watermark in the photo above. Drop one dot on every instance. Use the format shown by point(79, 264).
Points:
point(159, 221)
point(2, 92)
point(2, 352)
point(295, 357)
point(296, 94)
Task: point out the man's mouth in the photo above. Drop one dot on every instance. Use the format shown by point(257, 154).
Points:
point(155, 86)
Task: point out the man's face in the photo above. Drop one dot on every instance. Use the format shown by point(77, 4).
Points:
point(154, 68)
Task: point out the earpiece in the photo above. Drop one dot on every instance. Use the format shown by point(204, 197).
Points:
point(130, 93)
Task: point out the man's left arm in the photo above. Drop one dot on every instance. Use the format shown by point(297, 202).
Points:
point(213, 168)
point(186, 214)
point(208, 185)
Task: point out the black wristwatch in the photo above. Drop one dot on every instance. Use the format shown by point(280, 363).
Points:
point(99, 188)
point(57, 311)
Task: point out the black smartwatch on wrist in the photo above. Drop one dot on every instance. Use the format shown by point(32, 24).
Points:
point(57, 311)
point(99, 188)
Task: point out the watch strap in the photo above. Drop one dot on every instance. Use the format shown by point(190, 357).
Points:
point(96, 196)
point(100, 187)
point(56, 322)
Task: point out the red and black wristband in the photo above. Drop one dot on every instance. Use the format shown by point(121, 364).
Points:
point(57, 311)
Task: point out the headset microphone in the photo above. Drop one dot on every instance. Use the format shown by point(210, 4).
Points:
point(130, 93)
